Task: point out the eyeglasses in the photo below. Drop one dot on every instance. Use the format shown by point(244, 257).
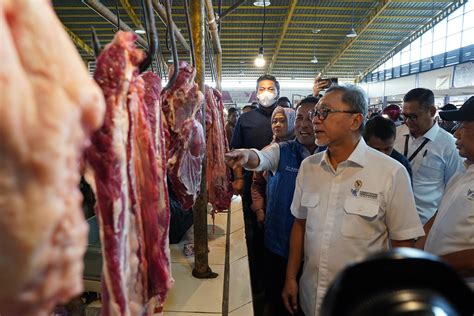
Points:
point(412, 117)
point(323, 113)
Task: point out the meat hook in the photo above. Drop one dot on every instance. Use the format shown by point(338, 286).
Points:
point(95, 44)
point(152, 35)
point(174, 51)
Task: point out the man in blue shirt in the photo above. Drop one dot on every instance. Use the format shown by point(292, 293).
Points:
point(429, 148)
point(254, 130)
point(282, 160)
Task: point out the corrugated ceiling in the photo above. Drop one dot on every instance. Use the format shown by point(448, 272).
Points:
point(382, 26)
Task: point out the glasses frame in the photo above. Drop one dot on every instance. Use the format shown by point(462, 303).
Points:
point(323, 114)
point(412, 116)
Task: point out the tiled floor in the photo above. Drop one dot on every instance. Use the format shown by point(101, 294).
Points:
point(191, 296)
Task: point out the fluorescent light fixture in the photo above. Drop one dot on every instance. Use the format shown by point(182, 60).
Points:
point(316, 31)
point(261, 3)
point(314, 60)
point(352, 33)
point(170, 60)
point(430, 60)
point(260, 61)
point(140, 31)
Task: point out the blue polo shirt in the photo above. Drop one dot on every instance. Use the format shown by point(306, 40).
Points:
point(253, 129)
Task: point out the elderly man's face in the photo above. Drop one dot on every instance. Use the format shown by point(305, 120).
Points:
point(337, 126)
point(465, 140)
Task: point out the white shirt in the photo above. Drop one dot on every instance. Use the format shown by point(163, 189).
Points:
point(349, 213)
point(432, 167)
point(453, 227)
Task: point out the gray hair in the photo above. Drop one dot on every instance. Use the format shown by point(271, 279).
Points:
point(355, 98)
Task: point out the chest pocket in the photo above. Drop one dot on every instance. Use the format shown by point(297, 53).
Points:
point(432, 168)
point(359, 218)
point(310, 201)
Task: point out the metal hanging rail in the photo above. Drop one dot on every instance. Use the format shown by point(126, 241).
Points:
point(109, 16)
point(161, 10)
point(151, 33)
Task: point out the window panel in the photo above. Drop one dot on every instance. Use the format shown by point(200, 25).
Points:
point(405, 57)
point(440, 30)
point(455, 25)
point(455, 14)
point(427, 37)
point(467, 37)
point(439, 46)
point(396, 59)
point(426, 51)
point(415, 54)
point(469, 6)
point(453, 42)
point(468, 20)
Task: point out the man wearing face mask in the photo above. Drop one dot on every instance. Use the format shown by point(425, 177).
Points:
point(254, 130)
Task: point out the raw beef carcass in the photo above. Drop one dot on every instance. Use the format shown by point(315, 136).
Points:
point(48, 108)
point(219, 186)
point(129, 177)
point(185, 142)
point(154, 176)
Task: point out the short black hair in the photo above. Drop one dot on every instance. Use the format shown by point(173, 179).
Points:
point(251, 106)
point(271, 78)
point(231, 110)
point(379, 127)
point(283, 99)
point(424, 97)
point(310, 99)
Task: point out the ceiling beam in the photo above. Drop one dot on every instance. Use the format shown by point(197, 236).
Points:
point(131, 13)
point(79, 42)
point(383, 4)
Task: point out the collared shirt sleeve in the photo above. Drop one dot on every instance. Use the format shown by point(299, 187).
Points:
point(454, 164)
point(236, 142)
point(269, 158)
point(402, 219)
point(297, 209)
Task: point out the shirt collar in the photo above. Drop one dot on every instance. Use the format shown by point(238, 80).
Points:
point(357, 156)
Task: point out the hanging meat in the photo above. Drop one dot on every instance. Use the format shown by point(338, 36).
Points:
point(157, 245)
point(218, 183)
point(48, 108)
point(185, 138)
point(127, 170)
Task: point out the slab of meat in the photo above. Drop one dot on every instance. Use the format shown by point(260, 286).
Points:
point(154, 182)
point(218, 183)
point(48, 108)
point(107, 158)
point(128, 173)
point(185, 142)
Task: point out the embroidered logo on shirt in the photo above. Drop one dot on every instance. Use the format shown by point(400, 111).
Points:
point(356, 188)
point(291, 169)
point(470, 195)
point(369, 195)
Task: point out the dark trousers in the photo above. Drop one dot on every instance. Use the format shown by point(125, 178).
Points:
point(254, 240)
point(274, 281)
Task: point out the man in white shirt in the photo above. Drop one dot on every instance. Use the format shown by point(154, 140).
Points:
point(429, 148)
point(349, 201)
point(450, 232)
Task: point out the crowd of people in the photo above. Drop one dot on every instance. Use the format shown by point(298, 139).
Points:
point(322, 185)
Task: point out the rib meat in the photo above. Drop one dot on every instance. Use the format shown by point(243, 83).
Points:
point(185, 138)
point(129, 175)
point(219, 186)
point(48, 108)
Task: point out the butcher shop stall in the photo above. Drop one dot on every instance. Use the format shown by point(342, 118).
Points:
point(116, 199)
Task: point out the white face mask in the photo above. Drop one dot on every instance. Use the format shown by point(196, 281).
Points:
point(266, 98)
